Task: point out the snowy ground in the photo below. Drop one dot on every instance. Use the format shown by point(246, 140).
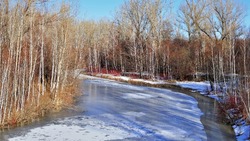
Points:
point(201, 87)
point(117, 111)
point(125, 78)
point(75, 129)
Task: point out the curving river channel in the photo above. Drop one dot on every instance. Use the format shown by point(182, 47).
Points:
point(110, 110)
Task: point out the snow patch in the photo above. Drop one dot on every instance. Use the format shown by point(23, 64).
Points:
point(124, 78)
point(134, 114)
point(242, 130)
point(112, 83)
point(75, 129)
point(83, 76)
point(156, 82)
point(202, 87)
point(136, 96)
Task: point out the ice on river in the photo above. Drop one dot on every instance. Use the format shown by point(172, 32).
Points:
point(130, 113)
point(74, 129)
point(137, 96)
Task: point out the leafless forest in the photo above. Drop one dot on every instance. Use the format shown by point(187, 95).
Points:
point(40, 47)
point(38, 51)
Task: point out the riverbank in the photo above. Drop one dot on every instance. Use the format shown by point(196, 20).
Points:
point(240, 127)
point(46, 104)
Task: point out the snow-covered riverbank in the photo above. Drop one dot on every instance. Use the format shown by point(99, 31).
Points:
point(241, 128)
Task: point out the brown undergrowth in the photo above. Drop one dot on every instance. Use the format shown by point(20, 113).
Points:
point(34, 110)
point(234, 108)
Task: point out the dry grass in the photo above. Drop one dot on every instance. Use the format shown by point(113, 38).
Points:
point(47, 104)
point(66, 98)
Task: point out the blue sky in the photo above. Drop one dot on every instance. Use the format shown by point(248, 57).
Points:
point(98, 9)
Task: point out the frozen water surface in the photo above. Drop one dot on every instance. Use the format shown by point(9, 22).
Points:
point(117, 111)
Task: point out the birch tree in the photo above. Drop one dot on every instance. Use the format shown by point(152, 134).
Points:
point(29, 35)
point(134, 14)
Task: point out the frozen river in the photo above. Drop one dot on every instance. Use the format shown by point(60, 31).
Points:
point(110, 110)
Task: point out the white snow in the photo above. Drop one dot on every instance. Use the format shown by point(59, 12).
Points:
point(82, 76)
point(242, 130)
point(75, 129)
point(134, 114)
point(202, 87)
point(124, 78)
point(136, 96)
point(112, 83)
point(149, 81)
